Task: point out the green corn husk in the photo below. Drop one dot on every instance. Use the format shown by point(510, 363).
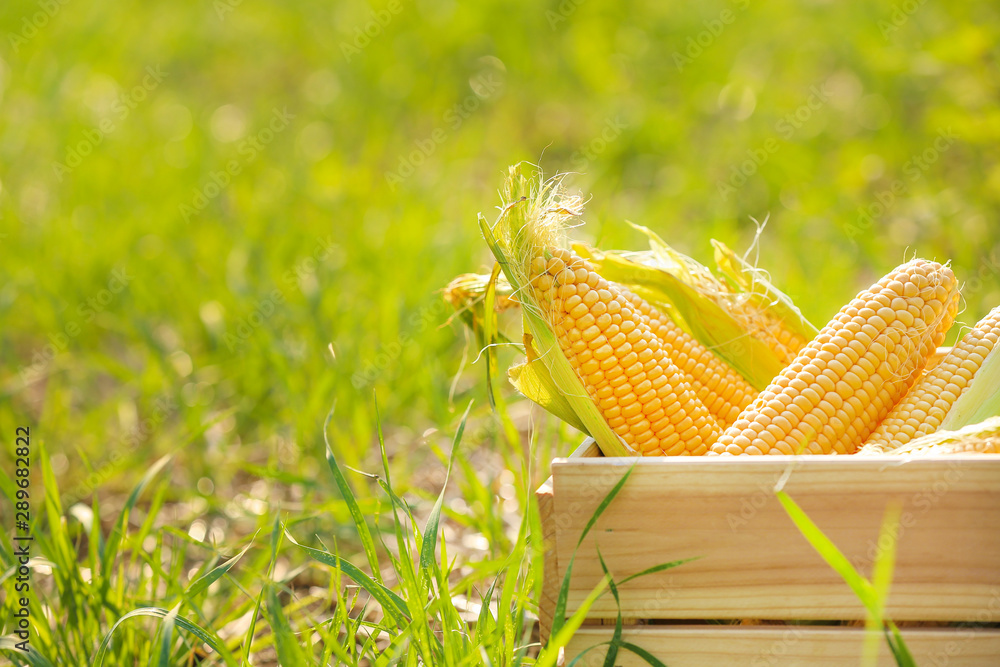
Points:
point(981, 400)
point(531, 219)
point(761, 292)
point(533, 379)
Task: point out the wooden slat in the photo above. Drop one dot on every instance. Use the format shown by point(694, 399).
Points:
point(754, 563)
point(551, 574)
point(785, 646)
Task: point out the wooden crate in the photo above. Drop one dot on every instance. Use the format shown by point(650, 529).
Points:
point(754, 563)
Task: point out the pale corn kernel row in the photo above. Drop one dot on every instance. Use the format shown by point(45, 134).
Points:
point(982, 438)
point(622, 364)
point(971, 446)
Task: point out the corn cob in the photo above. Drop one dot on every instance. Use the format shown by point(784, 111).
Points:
point(982, 438)
point(622, 364)
point(763, 309)
point(467, 290)
point(925, 406)
point(785, 343)
point(843, 383)
point(721, 389)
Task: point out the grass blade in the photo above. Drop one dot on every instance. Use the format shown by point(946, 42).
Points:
point(391, 603)
point(580, 656)
point(644, 654)
point(549, 655)
point(252, 630)
point(203, 582)
point(559, 615)
point(605, 503)
point(34, 658)
point(118, 532)
point(832, 555)
point(205, 636)
point(872, 596)
point(389, 655)
point(285, 642)
point(898, 647)
point(367, 543)
point(885, 562)
point(433, 521)
point(657, 568)
point(167, 636)
point(616, 638)
point(490, 333)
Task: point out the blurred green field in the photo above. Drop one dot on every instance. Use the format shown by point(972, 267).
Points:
point(220, 218)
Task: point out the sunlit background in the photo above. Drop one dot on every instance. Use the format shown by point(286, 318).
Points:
point(219, 218)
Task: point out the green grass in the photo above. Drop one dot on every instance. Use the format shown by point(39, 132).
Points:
point(134, 328)
point(417, 611)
